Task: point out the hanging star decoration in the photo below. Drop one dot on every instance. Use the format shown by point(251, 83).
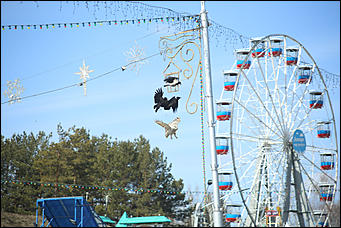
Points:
point(14, 89)
point(135, 58)
point(84, 73)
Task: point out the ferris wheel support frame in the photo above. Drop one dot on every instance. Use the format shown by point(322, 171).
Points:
point(302, 205)
point(293, 167)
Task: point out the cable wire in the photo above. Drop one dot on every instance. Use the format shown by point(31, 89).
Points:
point(77, 84)
point(95, 54)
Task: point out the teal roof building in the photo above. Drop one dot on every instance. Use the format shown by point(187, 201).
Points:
point(125, 221)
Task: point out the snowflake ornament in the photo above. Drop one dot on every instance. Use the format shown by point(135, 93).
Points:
point(84, 73)
point(135, 58)
point(14, 89)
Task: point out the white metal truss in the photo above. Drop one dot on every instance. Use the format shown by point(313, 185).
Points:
point(268, 105)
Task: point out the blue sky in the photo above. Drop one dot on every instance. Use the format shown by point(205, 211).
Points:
point(120, 104)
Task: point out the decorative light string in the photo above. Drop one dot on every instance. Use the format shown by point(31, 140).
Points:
point(223, 35)
point(113, 188)
point(87, 187)
point(108, 22)
point(76, 84)
point(202, 130)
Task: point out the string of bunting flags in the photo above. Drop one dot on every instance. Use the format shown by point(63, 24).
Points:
point(108, 22)
point(112, 188)
point(86, 187)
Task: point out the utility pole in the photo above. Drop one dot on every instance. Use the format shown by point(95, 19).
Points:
point(60, 133)
point(217, 213)
point(106, 204)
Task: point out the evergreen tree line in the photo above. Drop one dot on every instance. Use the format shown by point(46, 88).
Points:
point(79, 159)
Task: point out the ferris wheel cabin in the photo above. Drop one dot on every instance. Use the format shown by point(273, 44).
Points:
point(225, 182)
point(260, 49)
point(222, 145)
point(326, 192)
point(327, 161)
point(323, 129)
point(304, 74)
point(320, 217)
point(316, 100)
point(241, 55)
point(230, 78)
point(223, 110)
point(233, 212)
point(275, 47)
point(292, 56)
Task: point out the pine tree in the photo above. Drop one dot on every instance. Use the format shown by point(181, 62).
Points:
point(139, 177)
point(17, 167)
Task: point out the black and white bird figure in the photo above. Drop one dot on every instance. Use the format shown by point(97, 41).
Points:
point(170, 128)
point(163, 102)
point(172, 81)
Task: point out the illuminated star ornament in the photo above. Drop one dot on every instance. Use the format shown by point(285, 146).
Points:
point(84, 73)
point(135, 58)
point(14, 89)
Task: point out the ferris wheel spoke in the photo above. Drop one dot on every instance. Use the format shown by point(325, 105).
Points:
point(268, 90)
point(284, 102)
point(279, 102)
point(299, 100)
point(254, 138)
point(292, 81)
point(258, 119)
point(241, 114)
point(308, 124)
point(251, 130)
point(255, 92)
point(294, 92)
point(313, 184)
point(247, 157)
point(277, 161)
point(321, 148)
point(295, 68)
point(240, 121)
point(300, 104)
point(251, 164)
point(322, 171)
point(305, 116)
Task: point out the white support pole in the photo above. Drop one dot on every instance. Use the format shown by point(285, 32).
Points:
point(217, 213)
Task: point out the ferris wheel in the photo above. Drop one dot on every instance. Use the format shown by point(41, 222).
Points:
point(276, 139)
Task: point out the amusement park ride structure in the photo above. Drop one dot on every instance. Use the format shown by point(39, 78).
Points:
point(260, 177)
point(273, 140)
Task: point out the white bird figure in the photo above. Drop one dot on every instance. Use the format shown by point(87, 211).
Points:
point(171, 128)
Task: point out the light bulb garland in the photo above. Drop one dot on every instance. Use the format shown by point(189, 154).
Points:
point(71, 187)
point(222, 35)
point(190, 18)
point(202, 132)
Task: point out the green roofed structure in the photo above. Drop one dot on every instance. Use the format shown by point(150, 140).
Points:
point(107, 220)
point(125, 221)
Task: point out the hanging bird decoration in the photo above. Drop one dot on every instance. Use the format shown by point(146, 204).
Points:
point(170, 128)
point(163, 102)
point(172, 81)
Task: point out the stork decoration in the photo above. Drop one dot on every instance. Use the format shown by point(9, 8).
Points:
point(180, 45)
